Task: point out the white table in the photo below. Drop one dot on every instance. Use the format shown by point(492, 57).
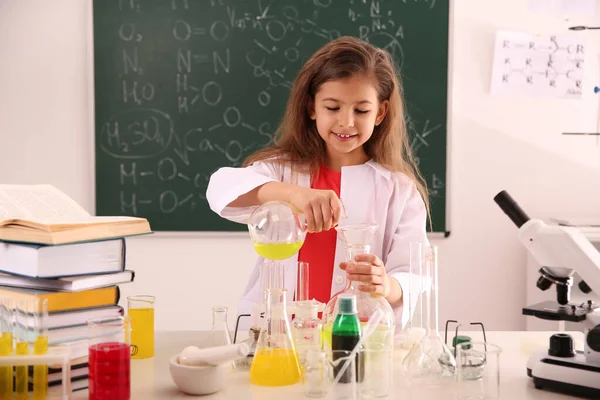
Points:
point(150, 378)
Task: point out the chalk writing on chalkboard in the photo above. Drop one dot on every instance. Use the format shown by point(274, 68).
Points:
point(185, 87)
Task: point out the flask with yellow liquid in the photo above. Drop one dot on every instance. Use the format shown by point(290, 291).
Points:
point(276, 230)
point(276, 360)
point(278, 233)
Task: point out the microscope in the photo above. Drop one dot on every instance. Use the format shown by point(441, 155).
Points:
point(562, 251)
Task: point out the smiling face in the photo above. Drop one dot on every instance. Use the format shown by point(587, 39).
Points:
point(346, 111)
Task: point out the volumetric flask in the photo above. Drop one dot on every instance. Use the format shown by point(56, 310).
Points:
point(478, 371)
point(275, 361)
point(109, 359)
point(276, 230)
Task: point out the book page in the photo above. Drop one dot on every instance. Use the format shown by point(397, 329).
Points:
point(39, 203)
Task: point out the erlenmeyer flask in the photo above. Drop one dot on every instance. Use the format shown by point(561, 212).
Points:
point(431, 362)
point(357, 239)
point(219, 333)
point(275, 361)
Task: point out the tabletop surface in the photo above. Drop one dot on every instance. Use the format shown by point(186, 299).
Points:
point(150, 378)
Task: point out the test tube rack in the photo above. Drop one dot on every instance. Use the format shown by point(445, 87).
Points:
point(51, 358)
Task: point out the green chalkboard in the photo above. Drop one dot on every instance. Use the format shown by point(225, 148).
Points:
point(185, 87)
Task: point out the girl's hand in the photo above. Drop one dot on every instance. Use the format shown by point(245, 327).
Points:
point(368, 268)
point(321, 208)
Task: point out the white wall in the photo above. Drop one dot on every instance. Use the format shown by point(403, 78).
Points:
point(46, 136)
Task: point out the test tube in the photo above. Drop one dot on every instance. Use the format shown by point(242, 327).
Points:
point(6, 346)
point(40, 347)
point(22, 319)
point(302, 282)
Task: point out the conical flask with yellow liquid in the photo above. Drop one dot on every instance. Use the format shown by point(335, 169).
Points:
point(276, 360)
point(278, 233)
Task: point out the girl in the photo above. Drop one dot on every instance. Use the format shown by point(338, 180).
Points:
point(343, 135)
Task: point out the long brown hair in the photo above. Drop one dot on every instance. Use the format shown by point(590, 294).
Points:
point(297, 142)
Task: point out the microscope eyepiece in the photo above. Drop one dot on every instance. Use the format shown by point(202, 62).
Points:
point(511, 208)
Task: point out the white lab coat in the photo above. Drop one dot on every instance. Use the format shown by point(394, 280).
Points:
point(370, 194)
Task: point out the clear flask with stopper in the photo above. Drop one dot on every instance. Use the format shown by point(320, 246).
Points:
point(357, 239)
point(219, 333)
point(430, 362)
point(276, 360)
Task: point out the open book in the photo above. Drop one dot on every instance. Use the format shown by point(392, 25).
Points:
point(44, 214)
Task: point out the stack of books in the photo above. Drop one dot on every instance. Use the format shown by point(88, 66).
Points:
point(51, 248)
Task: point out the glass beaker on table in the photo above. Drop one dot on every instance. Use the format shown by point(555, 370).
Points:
point(109, 358)
point(140, 309)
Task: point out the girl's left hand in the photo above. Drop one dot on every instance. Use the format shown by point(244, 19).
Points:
point(368, 268)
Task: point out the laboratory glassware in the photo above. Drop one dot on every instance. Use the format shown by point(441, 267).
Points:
point(141, 311)
point(414, 330)
point(307, 327)
point(431, 362)
point(478, 371)
point(277, 230)
point(6, 346)
point(276, 360)
point(358, 240)
point(109, 359)
point(219, 333)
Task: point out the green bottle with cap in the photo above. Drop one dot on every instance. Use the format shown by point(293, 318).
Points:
point(345, 334)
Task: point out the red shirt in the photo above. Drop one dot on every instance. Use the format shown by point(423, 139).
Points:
point(319, 248)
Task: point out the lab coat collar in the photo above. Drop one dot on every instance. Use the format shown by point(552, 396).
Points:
point(379, 168)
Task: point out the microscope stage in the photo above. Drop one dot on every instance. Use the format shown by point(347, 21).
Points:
point(551, 310)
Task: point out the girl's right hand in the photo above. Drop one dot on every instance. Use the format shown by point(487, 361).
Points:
point(322, 208)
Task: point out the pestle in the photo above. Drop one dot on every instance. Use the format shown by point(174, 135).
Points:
point(193, 356)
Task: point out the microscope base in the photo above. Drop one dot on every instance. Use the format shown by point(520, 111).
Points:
point(570, 375)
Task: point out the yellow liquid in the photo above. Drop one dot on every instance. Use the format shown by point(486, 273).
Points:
point(21, 372)
point(6, 376)
point(40, 372)
point(277, 251)
point(275, 367)
point(142, 332)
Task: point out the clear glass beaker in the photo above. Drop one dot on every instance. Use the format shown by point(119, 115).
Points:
point(357, 239)
point(478, 371)
point(219, 333)
point(346, 374)
point(277, 230)
point(317, 373)
point(109, 358)
point(331, 374)
point(276, 360)
point(141, 311)
point(378, 369)
point(430, 362)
